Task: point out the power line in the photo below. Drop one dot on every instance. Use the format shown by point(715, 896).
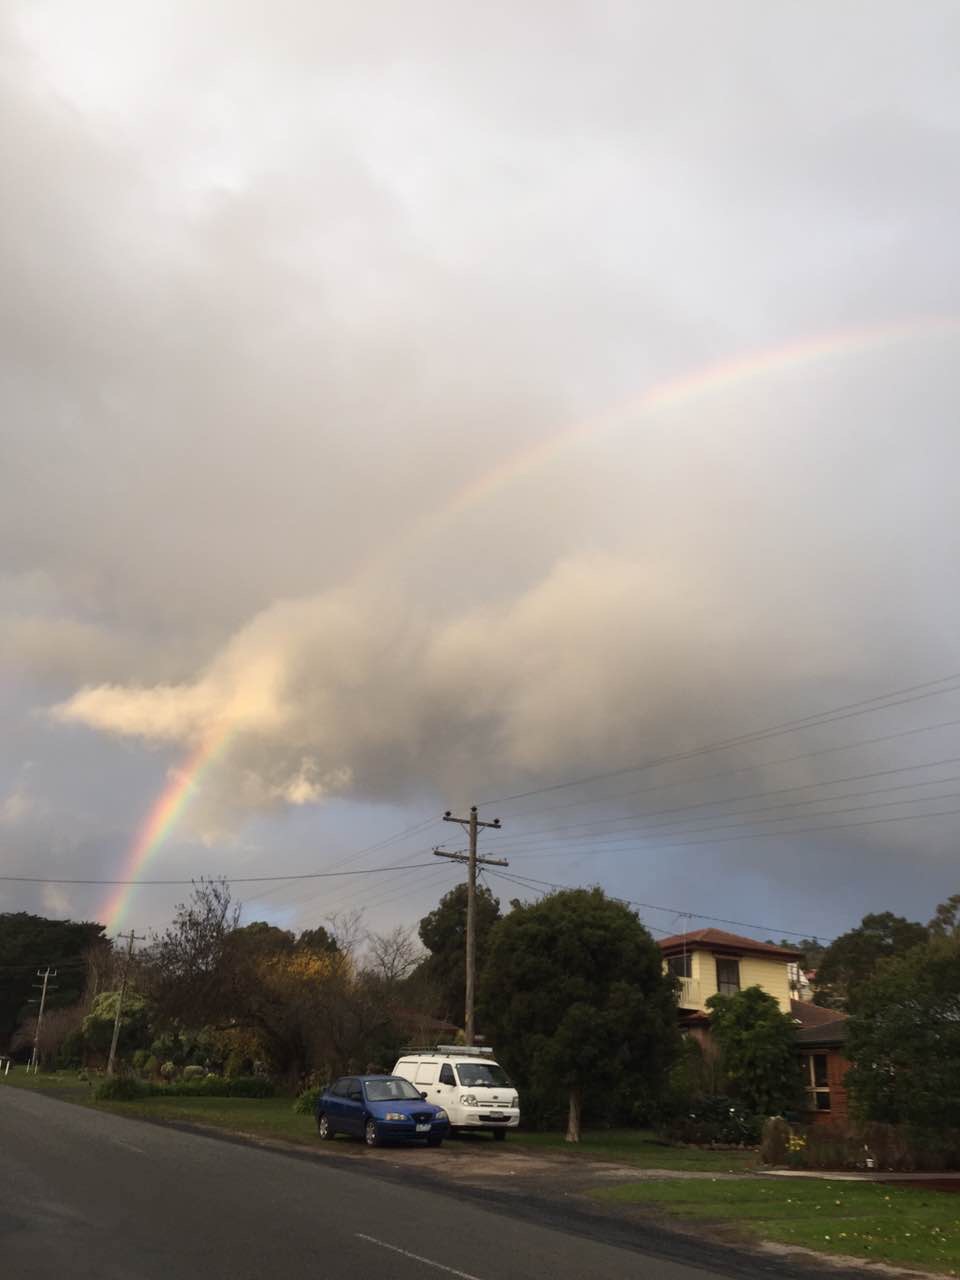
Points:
point(305, 875)
point(652, 906)
point(843, 712)
point(770, 835)
point(577, 827)
point(677, 828)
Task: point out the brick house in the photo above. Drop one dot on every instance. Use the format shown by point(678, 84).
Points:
point(709, 962)
point(821, 1039)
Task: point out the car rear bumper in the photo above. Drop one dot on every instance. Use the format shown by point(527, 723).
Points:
point(405, 1129)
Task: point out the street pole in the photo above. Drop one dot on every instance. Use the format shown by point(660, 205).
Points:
point(46, 975)
point(472, 826)
point(123, 987)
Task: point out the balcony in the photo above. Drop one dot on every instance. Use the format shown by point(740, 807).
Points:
point(688, 994)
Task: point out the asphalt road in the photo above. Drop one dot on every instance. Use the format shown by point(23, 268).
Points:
point(84, 1193)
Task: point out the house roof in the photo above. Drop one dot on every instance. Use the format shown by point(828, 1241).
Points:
point(824, 1034)
point(809, 1014)
point(728, 943)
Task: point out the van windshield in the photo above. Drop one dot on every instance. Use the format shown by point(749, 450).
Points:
point(482, 1075)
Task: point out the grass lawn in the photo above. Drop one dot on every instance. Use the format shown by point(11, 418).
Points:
point(907, 1226)
point(639, 1147)
point(275, 1118)
point(264, 1117)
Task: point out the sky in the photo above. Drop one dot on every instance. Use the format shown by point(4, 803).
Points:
point(406, 407)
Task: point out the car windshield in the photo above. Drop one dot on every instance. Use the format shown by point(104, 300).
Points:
point(482, 1075)
point(387, 1090)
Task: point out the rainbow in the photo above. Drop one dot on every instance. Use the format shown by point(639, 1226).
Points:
point(668, 394)
point(706, 380)
point(163, 816)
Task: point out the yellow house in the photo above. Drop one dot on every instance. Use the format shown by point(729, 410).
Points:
point(711, 962)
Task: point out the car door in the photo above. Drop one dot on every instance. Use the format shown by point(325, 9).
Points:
point(333, 1103)
point(353, 1108)
point(445, 1088)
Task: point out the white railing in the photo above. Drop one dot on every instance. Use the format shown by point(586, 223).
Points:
point(688, 994)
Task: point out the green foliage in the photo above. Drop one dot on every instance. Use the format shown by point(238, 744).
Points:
point(130, 1089)
point(853, 958)
point(98, 1024)
point(306, 1103)
point(715, 1121)
point(28, 943)
point(121, 1089)
point(151, 1067)
point(574, 997)
point(757, 1050)
point(946, 919)
point(443, 932)
point(904, 1039)
point(775, 1141)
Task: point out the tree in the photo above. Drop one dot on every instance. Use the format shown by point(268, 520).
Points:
point(946, 919)
point(757, 1050)
point(853, 958)
point(904, 1038)
point(29, 943)
point(444, 933)
point(574, 993)
point(393, 956)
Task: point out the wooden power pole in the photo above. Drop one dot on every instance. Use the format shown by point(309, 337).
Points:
point(46, 975)
point(131, 939)
point(472, 826)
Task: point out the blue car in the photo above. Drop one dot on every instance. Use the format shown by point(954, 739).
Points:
point(377, 1108)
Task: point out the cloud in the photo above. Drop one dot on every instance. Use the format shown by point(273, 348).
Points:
point(352, 693)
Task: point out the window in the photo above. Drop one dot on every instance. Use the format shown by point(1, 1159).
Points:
point(446, 1074)
point(426, 1073)
point(483, 1075)
point(681, 966)
point(817, 1081)
point(728, 976)
point(386, 1090)
point(341, 1088)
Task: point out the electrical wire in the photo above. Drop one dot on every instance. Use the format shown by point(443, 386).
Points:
point(843, 712)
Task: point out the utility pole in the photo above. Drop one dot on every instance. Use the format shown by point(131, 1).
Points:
point(472, 826)
point(46, 975)
point(131, 939)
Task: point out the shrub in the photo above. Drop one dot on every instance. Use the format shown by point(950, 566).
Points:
point(193, 1073)
point(306, 1103)
point(151, 1067)
point(168, 1070)
point(121, 1089)
point(716, 1120)
point(775, 1141)
point(217, 1087)
point(138, 1059)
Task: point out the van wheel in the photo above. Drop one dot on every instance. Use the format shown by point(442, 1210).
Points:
point(499, 1135)
point(324, 1128)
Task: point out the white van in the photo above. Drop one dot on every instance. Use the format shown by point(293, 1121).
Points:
point(469, 1084)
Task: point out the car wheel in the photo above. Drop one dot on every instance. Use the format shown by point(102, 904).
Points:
point(324, 1128)
point(434, 1140)
point(370, 1135)
point(499, 1135)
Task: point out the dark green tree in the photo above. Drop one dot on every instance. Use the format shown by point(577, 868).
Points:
point(946, 919)
point(853, 958)
point(757, 1051)
point(904, 1038)
point(444, 934)
point(29, 943)
point(574, 996)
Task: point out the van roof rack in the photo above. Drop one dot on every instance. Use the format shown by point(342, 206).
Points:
point(459, 1050)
